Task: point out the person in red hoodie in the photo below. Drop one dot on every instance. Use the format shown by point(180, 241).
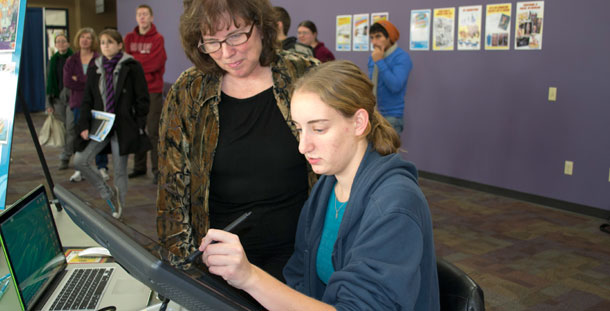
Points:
point(147, 46)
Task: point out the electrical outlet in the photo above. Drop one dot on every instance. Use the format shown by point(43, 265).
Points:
point(552, 94)
point(568, 168)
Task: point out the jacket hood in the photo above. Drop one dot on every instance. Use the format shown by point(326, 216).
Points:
point(374, 170)
point(377, 167)
point(151, 32)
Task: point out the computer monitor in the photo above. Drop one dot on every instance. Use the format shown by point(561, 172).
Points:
point(146, 260)
point(31, 252)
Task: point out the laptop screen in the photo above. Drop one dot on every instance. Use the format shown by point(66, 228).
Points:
point(31, 245)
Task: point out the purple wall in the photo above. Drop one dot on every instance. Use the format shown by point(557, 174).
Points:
point(483, 116)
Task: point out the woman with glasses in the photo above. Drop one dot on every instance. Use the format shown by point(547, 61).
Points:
point(225, 144)
point(307, 33)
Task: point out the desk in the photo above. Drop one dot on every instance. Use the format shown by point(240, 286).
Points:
point(73, 237)
point(70, 234)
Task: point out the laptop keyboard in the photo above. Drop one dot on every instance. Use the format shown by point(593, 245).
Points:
point(83, 289)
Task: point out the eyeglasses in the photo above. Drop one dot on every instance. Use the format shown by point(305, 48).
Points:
point(235, 39)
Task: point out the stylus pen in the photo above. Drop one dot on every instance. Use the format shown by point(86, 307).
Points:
point(228, 228)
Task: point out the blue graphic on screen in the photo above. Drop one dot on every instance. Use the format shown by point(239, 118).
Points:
point(33, 247)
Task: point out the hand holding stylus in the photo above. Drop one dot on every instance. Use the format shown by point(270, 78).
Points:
point(229, 228)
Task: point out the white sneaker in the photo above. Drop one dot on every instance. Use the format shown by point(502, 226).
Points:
point(76, 177)
point(104, 173)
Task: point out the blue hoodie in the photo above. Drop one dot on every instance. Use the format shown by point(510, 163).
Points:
point(384, 254)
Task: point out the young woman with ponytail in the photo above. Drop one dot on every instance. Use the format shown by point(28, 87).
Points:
point(364, 238)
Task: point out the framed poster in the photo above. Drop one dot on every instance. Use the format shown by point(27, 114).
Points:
point(469, 27)
point(343, 33)
point(420, 30)
point(360, 32)
point(528, 25)
point(497, 26)
point(444, 29)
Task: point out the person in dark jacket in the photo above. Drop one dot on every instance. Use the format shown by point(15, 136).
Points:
point(236, 97)
point(57, 95)
point(75, 79)
point(115, 84)
point(364, 237)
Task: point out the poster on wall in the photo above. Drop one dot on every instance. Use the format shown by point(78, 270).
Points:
point(443, 31)
point(497, 26)
point(9, 13)
point(469, 27)
point(375, 17)
point(420, 30)
point(361, 32)
point(528, 25)
point(343, 33)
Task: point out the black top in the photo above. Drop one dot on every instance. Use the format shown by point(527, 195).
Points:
point(257, 167)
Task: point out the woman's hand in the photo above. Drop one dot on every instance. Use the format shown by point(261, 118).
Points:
point(50, 110)
point(84, 134)
point(75, 78)
point(226, 258)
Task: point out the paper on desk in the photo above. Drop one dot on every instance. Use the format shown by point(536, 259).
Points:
point(72, 257)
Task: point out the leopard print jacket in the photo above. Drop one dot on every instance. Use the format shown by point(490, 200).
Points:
point(188, 135)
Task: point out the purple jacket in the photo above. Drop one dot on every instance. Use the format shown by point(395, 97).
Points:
point(74, 67)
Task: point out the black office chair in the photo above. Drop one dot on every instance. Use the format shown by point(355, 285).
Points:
point(458, 292)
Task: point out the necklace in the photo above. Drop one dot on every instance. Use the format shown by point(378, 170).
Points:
point(338, 209)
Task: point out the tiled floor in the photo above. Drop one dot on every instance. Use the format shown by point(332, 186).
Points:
point(524, 256)
point(26, 172)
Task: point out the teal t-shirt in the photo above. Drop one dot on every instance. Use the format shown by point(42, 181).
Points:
point(332, 221)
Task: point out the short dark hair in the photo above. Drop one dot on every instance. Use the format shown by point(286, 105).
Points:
point(309, 24)
point(145, 6)
point(282, 16)
point(206, 16)
point(377, 28)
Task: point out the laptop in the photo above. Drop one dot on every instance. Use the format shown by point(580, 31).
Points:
point(36, 266)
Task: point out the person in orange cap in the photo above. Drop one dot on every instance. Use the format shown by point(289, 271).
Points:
point(389, 68)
